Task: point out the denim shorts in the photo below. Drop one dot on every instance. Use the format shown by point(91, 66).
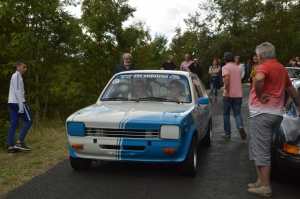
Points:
point(262, 128)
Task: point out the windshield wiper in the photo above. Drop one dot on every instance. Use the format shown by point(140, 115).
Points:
point(158, 99)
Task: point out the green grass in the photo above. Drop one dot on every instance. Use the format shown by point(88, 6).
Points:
point(48, 143)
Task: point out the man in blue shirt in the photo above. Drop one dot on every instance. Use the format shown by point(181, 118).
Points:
point(126, 65)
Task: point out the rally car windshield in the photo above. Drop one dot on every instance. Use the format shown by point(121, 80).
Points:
point(148, 87)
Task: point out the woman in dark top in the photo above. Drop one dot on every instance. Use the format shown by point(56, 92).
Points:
point(196, 68)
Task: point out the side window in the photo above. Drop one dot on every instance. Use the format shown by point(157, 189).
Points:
point(197, 86)
point(287, 101)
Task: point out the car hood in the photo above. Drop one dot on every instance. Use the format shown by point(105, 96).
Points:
point(132, 115)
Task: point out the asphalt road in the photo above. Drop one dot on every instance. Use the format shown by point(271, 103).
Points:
point(223, 171)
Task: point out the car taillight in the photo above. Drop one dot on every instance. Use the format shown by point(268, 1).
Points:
point(291, 148)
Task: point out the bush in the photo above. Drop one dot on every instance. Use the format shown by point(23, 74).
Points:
point(4, 125)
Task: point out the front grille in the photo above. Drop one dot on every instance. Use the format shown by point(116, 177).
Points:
point(120, 133)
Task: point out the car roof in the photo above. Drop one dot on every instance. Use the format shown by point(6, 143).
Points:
point(293, 68)
point(168, 72)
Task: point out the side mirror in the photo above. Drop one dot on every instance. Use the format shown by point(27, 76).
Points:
point(203, 101)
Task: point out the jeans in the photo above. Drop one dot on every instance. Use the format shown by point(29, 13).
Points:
point(235, 104)
point(212, 88)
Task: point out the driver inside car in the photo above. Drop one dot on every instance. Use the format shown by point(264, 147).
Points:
point(124, 90)
point(139, 89)
point(175, 89)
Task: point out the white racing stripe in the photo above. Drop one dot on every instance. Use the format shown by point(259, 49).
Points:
point(25, 108)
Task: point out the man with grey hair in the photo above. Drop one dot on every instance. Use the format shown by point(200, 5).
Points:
point(126, 65)
point(169, 64)
point(232, 96)
point(266, 104)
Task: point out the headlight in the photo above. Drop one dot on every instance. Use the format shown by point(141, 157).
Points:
point(291, 148)
point(76, 128)
point(169, 132)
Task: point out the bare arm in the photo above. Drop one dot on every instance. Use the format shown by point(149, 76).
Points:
point(259, 84)
point(226, 82)
point(226, 85)
point(213, 72)
point(183, 69)
point(259, 87)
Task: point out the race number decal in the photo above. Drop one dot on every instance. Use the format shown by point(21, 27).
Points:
point(115, 81)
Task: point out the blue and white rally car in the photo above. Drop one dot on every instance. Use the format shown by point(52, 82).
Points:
point(149, 116)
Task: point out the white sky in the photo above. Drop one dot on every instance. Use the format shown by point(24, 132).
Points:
point(162, 16)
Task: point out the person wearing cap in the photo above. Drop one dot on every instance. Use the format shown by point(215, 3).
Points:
point(184, 66)
point(169, 64)
point(123, 89)
point(126, 65)
point(196, 68)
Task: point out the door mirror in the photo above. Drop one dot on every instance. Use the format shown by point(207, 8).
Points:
point(203, 101)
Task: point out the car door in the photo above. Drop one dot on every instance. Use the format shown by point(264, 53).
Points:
point(201, 110)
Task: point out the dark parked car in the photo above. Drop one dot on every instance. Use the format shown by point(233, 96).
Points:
point(286, 141)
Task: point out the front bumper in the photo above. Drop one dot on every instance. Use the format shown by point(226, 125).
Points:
point(127, 149)
point(286, 161)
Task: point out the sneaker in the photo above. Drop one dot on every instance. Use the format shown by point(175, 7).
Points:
point(210, 99)
point(242, 133)
point(254, 185)
point(224, 135)
point(215, 99)
point(12, 151)
point(262, 191)
point(21, 146)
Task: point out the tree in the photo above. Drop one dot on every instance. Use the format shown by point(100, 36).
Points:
point(39, 32)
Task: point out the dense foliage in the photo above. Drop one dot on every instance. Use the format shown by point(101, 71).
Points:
point(70, 59)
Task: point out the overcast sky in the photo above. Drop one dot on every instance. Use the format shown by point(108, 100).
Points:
point(162, 16)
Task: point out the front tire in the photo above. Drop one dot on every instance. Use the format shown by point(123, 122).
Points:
point(80, 163)
point(189, 165)
point(207, 138)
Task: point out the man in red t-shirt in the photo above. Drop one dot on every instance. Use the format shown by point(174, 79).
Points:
point(266, 104)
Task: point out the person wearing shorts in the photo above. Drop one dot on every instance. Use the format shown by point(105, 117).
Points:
point(266, 104)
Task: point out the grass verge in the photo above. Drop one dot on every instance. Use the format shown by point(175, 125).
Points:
point(48, 143)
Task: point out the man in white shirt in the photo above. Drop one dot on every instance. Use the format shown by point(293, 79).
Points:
point(18, 109)
point(241, 66)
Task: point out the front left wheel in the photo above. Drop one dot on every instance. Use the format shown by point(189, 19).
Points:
point(80, 163)
point(189, 165)
point(207, 138)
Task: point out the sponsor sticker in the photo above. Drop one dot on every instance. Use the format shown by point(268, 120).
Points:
point(115, 81)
